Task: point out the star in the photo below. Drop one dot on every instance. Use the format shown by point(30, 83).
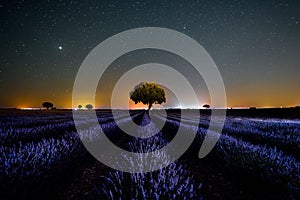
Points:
point(60, 47)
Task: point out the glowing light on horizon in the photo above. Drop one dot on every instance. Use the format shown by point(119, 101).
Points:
point(30, 108)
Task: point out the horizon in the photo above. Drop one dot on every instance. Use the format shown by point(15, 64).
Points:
point(144, 108)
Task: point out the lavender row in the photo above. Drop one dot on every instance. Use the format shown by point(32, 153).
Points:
point(265, 163)
point(171, 182)
point(286, 137)
point(10, 135)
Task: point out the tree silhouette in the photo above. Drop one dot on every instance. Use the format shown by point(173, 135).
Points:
point(206, 106)
point(79, 107)
point(89, 106)
point(148, 93)
point(47, 105)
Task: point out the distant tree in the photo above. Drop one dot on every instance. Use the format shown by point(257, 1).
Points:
point(79, 107)
point(148, 93)
point(206, 106)
point(47, 105)
point(89, 106)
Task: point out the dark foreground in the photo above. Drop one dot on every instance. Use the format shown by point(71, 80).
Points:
point(257, 157)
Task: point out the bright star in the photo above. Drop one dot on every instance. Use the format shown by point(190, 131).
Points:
point(60, 47)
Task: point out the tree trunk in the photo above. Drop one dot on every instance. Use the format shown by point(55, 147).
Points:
point(149, 106)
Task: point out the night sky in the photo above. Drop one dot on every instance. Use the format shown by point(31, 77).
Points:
point(255, 44)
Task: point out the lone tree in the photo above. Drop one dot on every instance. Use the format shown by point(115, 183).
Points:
point(206, 106)
point(148, 93)
point(89, 106)
point(47, 105)
point(79, 107)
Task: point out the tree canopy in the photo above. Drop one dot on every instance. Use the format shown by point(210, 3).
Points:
point(148, 93)
point(89, 106)
point(47, 105)
point(206, 106)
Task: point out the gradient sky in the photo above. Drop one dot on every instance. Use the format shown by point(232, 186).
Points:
point(255, 44)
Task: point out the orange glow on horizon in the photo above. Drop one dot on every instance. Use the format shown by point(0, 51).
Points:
point(66, 104)
point(132, 105)
point(235, 98)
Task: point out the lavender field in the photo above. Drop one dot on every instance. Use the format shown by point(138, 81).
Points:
point(42, 156)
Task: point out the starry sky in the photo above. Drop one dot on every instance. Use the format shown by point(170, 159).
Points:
point(255, 45)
